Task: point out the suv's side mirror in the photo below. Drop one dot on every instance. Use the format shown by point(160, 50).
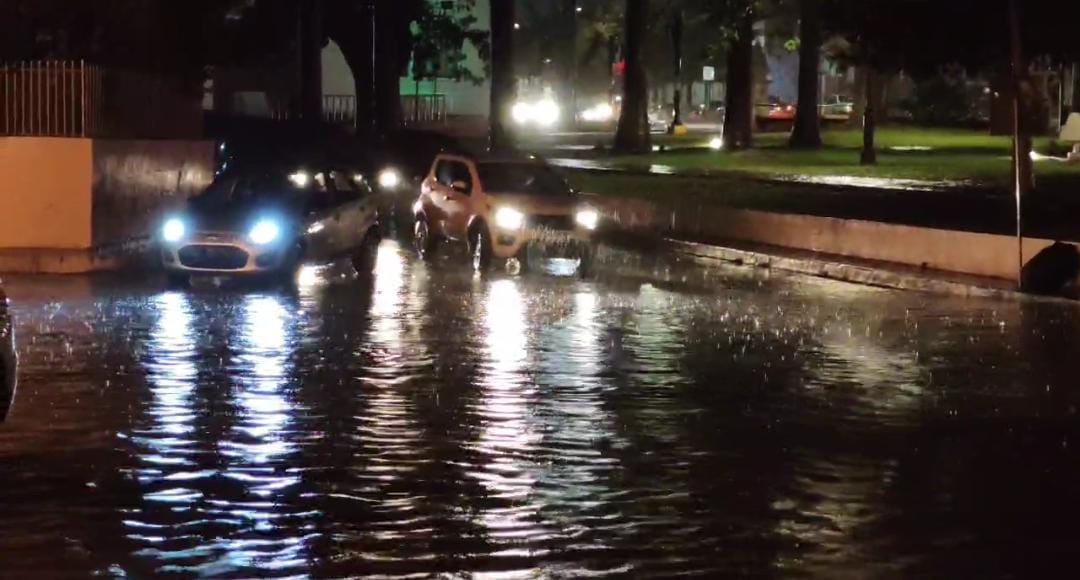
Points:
point(460, 187)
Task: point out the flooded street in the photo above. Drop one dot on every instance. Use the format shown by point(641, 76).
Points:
point(656, 419)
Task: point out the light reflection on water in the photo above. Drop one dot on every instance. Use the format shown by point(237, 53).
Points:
point(236, 487)
point(427, 422)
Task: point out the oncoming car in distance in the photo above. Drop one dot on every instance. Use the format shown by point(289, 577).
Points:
point(266, 221)
point(502, 207)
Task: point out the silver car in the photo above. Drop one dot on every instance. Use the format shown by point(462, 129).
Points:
point(265, 222)
point(8, 359)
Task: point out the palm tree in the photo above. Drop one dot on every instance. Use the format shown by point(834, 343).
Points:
point(807, 131)
point(632, 135)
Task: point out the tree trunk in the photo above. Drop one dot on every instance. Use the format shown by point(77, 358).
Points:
point(632, 135)
point(739, 100)
point(503, 84)
point(869, 150)
point(807, 131)
point(568, 60)
point(388, 66)
point(311, 40)
point(1074, 101)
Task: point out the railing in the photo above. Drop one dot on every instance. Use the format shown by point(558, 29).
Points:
point(419, 109)
point(339, 109)
point(77, 99)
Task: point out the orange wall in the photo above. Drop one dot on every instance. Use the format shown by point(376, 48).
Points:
point(45, 192)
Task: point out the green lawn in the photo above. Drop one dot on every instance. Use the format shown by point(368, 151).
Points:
point(938, 155)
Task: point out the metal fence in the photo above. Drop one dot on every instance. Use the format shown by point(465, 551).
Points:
point(420, 109)
point(78, 99)
point(339, 109)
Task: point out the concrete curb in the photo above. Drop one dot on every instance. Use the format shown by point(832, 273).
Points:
point(829, 267)
point(72, 261)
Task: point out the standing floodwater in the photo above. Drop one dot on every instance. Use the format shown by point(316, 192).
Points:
point(657, 420)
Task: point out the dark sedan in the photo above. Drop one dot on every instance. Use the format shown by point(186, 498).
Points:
point(8, 360)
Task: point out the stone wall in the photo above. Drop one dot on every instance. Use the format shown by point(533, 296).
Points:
point(976, 254)
point(136, 181)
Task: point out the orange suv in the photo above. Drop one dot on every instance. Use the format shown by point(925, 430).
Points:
point(503, 208)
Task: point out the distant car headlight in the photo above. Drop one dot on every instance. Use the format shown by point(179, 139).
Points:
point(264, 232)
point(598, 114)
point(174, 230)
point(509, 218)
point(546, 113)
point(522, 113)
point(588, 219)
point(300, 179)
point(389, 178)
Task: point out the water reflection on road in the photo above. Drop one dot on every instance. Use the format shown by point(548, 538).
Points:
point(660, 419)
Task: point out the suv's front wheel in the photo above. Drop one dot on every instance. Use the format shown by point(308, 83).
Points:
point(424, 240)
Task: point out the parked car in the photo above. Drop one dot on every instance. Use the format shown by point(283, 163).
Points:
point(9, 362)
point(837, 108)
point(775, 110)
point(266, 220)
point(660, 119)
point(501, 207)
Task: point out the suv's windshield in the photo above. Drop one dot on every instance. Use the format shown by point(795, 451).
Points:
point(525, 178)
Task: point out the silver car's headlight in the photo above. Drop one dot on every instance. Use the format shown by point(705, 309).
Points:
point(588, 219)
point(174, 230)
point(509, 218)
point(389, 178)
point(264, 232)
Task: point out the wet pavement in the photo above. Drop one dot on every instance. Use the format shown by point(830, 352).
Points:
point(657, 419)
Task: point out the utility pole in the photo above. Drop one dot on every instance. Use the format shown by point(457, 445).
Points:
point(677, 127)
point(368, 126)
point(1022, 170)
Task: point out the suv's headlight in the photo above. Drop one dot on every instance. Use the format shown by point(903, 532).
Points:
point(173, 230)
point(588, 219)
point(509, 218)
point(264, 232)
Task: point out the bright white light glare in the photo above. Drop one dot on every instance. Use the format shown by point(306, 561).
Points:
point(588, 219)
point(546, 113)
point(300, 179)
point(509, 218)
point(716, 143)
point(307, 276)
point(599, 113)
point(173, 230)
point(316, 228)
point(522, 113)
point(264, 232)
point(389, 178)
point(358, 177)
